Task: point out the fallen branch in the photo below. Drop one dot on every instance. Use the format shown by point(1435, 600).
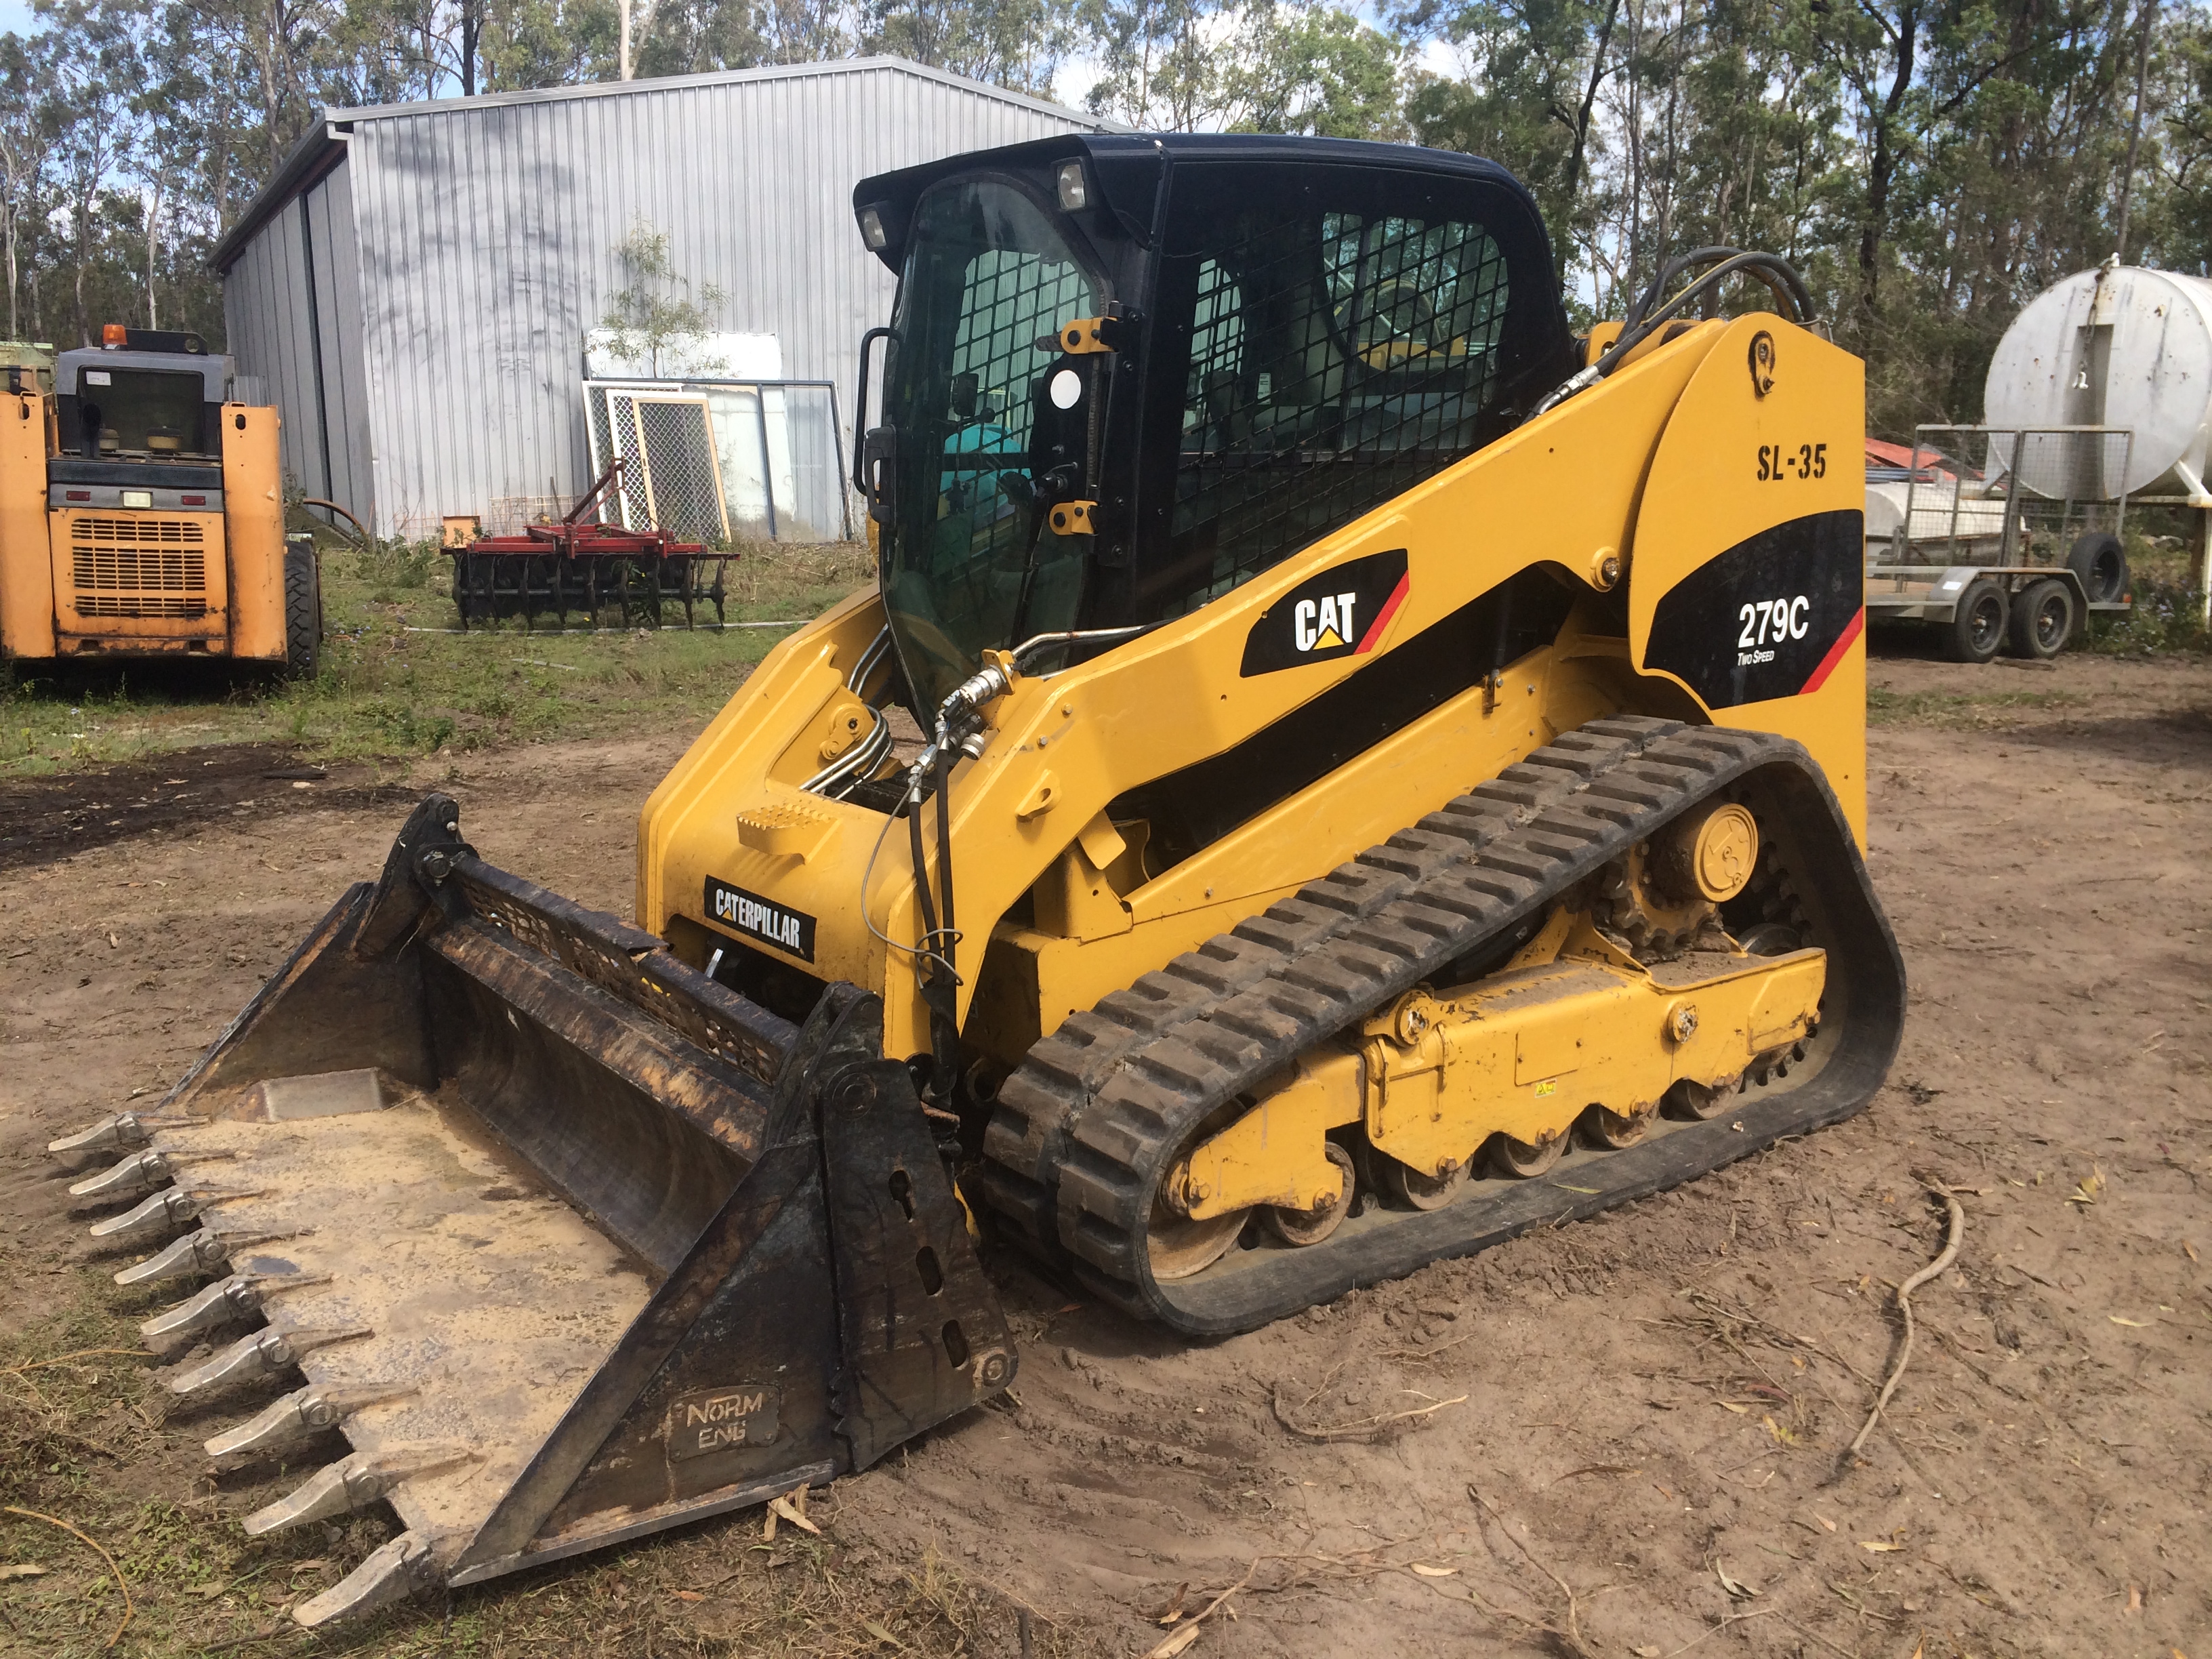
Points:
point(1366, 1428)
point(1955, 1234)
point(1570, 1638)
point(94, 1545)
point(1187, 1632)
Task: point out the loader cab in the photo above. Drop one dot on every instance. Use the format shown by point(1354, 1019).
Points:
point(141, 396)
point(1125, 374)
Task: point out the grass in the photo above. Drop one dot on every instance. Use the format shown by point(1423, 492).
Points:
point(2169, 617)
point(1963, 710)
point(386, 693)
point(86, 1441)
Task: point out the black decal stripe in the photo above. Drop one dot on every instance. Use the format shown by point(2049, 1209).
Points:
point(1375, 584)
point(1813, 567)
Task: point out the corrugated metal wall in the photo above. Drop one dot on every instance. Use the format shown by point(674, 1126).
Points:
point(485, 233)
point(292, 312)
point(264, 307)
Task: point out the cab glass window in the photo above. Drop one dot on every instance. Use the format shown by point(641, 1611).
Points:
point(968, 562)
point(1330, 353)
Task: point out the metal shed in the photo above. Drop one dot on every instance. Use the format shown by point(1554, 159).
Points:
point(414, 286)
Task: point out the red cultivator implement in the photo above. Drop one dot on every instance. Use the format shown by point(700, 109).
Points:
point(579, 566)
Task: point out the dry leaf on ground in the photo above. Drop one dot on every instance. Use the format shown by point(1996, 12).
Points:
point(789, 1511)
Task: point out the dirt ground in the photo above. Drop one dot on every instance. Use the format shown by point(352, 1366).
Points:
point(44, 817)
point(1639, 1422)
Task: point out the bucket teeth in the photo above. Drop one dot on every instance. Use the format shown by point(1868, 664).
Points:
point(233, 1298)
point(158, 1215)
point(193, 1253)
point(263, 1353)
point(352, 1483)
point(123, 1132)
point(392, 1572)
point(135, 1174)
point(303, 1411)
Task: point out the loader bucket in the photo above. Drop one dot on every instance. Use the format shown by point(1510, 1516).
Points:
point(572, 1242)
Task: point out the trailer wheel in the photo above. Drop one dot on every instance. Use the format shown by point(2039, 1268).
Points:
point(2042, 620)
point(2099, 560)
point(1978, 626)
point(303, 609)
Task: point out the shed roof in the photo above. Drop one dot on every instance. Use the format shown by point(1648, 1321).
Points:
point(324, 144)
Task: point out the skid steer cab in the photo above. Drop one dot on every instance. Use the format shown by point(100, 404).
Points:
point(142, 513)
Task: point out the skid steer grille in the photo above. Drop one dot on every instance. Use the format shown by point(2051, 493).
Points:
point(138, 567)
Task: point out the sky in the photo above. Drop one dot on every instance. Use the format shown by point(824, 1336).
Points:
point(1076, 77)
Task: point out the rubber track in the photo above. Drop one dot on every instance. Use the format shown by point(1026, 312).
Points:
point(1083, 1129)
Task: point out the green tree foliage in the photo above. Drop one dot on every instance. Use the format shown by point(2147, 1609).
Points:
point(1929, 164)
point(1245, 65)
point(657, 311)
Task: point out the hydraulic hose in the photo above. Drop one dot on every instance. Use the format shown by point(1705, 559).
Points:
point(1775, 274)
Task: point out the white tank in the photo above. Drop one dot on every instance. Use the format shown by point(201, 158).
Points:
point(2117, 346)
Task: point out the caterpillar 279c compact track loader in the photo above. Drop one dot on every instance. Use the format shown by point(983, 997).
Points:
point(1400, 771)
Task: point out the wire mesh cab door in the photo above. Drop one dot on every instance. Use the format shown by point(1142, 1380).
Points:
point(1322, 336)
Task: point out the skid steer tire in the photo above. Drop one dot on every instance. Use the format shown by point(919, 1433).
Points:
point(2101, 562)
point(2042, 620)
point(1978, 626)
point(303, 611)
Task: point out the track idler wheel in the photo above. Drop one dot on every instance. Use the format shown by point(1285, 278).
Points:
point(1521, 1160)
point(1611, 1131)
point(1695, 1101)
point(1311, 1226)
point(1417, 1190)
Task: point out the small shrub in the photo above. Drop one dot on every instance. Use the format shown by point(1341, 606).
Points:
point(2168, 617)
point(394, 565)
point(409, 729)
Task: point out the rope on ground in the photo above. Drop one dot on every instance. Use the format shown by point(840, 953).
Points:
point(80, 1353)
point(701, 628)
point(93, 1543)
point(1956, 1235)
